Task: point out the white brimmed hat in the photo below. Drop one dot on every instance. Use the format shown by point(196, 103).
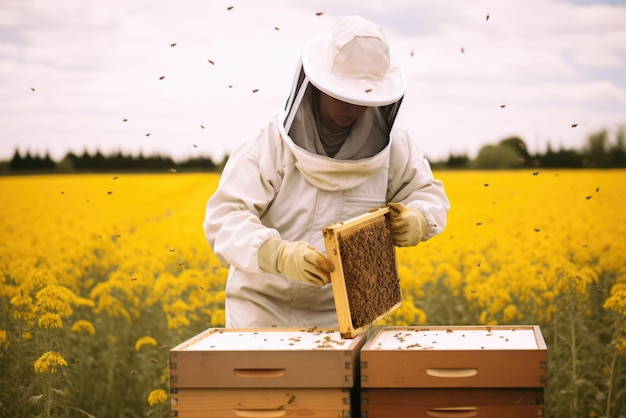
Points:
point(353, 64)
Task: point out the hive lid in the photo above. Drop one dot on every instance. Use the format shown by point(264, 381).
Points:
point(455, 338)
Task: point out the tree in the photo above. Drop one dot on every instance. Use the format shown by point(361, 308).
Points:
point(519, 146)
point(17, 163)
point(597, 145)
point(617, 154)
point(497, 157)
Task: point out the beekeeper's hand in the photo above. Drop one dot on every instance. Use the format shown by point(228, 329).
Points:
point(297, 260)
point(407, 225)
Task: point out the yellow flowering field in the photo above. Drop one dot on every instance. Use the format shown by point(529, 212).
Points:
point(101, 274)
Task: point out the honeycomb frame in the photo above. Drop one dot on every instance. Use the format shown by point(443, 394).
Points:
point(365, 281)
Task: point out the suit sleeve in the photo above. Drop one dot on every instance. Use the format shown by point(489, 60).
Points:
point(412, 183)
point(248, 184)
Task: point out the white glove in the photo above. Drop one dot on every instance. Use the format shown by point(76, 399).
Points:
point(407, 225)
point(296, 260)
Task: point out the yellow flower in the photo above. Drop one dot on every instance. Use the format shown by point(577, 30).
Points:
point(50, 320)
point(146, 340)
point(21, 301)
point(58, 299)
point(218, 319)
point(83, 326)
point(24, 308)
point(157, 396)
point(621, 345)
point(49, 362)
point(176, 322)
point(616, 302)
point(3, 338)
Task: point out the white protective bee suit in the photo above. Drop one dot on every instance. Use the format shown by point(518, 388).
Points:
point(281, 183)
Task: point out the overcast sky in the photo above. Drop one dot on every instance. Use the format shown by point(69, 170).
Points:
point(80, 75)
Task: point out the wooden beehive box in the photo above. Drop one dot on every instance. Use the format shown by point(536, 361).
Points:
point(229, 372)
point(458, 371)
point(452, 402)
point(365, 282)
point(455, 357)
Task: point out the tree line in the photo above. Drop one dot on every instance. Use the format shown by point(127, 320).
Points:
point(97, 162)
point(602, 150)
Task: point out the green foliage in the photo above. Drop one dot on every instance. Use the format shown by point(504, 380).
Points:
point(497, 157)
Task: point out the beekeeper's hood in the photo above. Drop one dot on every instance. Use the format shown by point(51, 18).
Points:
point(352, 64)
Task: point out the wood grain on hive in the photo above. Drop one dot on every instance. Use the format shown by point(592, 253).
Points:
point(265, 372)
point(365, 281)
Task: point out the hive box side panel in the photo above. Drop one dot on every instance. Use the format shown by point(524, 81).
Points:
point(218, 403)
point(365, 281)
point(440, 357)
point(494, 403)
point(205, 365)
point(201, 369)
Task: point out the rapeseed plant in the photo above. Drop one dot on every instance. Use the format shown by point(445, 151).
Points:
point(108, 273)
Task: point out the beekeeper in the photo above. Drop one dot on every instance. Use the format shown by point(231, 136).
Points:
point(332, 152)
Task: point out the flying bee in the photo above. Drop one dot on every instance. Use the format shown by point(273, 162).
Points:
point(368, 90)
point(479, 223)
point(276, 28)
point(211, 62)
point(574, 125)
point(202, 126)
point(32, 89)
point(115, 178)
point(598, 189)
point(588, 197)
point(290, 401)
point(133, 372)
point(255, 90)
point(124, 120)
point(535, 173)
point(502, 106)
point(487, 17)
point(162, 77)
point(173, 45)
point(319, 13)
point(230, 8)
point(148, 134)
point(486, 185)
point(110, 192)
point(536, 230)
